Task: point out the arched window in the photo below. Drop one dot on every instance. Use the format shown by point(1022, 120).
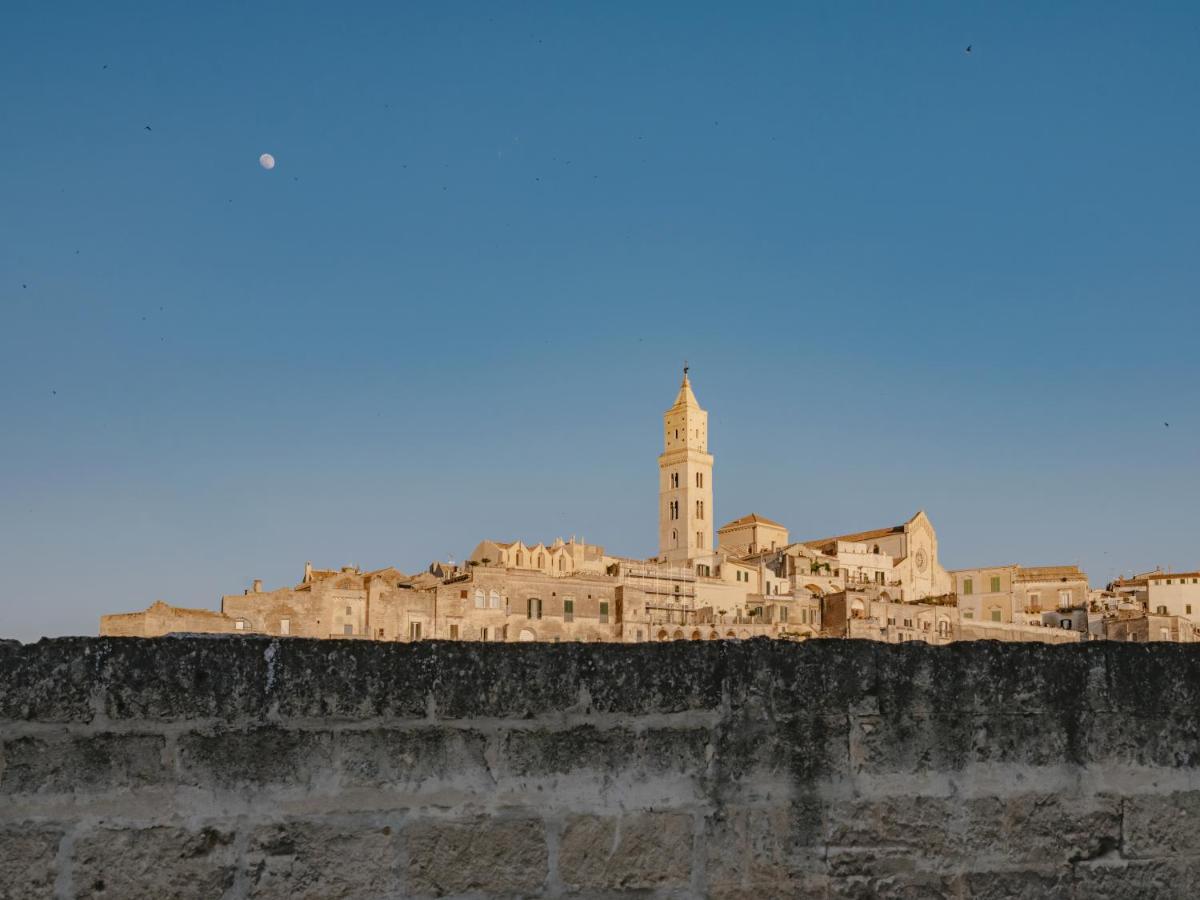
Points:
point(674, 537)
point(520, 558)
point(541, 561)
point(699, 479)
point(562, 564)
point(480, 602)
point(876, 550)
point(495, 599)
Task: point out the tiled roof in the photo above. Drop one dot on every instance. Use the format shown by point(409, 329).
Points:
point(750, 520)
point(1047, 573)
point(857, 537)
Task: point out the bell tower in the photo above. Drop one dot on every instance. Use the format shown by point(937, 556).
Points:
point(685, 492)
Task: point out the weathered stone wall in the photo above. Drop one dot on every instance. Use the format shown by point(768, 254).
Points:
point(228, 767)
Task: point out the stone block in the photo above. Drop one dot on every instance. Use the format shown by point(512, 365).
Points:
point(355, 680)
point(644, 679)
point(27, 866)
point(1016, 884)
point(768, 851)
point(804, 748)
point(637, 851)
point(900, 743)
point(102, 762)
point(545, 752)
point(176, 678)
point(50, 681)
point(1125, 879)
point(255, 757)
point(322, 861)
point(403, 759)
point(681, 750)
point(909, 885)
point(493, 855)
point(152, 863)
point(1170, 739)
point(1162, 824)
point(930, 831)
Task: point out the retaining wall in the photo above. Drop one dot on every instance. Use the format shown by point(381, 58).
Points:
point(232, 767)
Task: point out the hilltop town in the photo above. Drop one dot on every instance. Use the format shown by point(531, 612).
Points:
point(746, 579)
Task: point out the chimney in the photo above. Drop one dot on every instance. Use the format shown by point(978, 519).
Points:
point(258, 585)
point(307, 573)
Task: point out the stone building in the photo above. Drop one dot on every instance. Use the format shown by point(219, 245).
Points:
point(1001, 594)
point(1174, 594)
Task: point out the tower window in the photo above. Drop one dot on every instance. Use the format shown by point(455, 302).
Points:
point(699, 509)
point(699, 479)
point(700, 539)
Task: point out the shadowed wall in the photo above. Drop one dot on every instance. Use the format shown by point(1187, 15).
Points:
point(227, 767)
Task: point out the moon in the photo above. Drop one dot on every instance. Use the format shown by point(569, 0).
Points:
point(267, 161)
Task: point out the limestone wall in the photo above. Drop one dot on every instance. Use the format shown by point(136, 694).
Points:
point(231, 767)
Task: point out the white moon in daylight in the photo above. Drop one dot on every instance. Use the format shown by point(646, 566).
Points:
point(267, 161)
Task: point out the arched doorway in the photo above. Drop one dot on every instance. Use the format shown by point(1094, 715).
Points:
point(696, 635)
point(662, 634)
point(678, 635)
point(527, 634)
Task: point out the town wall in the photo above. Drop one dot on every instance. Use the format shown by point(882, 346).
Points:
point(238, 767)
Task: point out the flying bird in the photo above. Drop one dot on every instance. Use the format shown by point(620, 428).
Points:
point(1166, 424)
point(968, 50)
point(148, 128)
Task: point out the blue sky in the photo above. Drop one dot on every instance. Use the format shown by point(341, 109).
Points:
point(905, 277)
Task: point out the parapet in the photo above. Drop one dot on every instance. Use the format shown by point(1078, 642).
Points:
point(229, 766)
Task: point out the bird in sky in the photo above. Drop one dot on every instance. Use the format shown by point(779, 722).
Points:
point(1166, 424)
point(148, 128)
point(968, 50)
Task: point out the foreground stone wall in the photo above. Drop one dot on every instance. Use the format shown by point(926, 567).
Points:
point(227, 767)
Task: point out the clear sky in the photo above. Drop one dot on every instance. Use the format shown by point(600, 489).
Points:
point(905, 276)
